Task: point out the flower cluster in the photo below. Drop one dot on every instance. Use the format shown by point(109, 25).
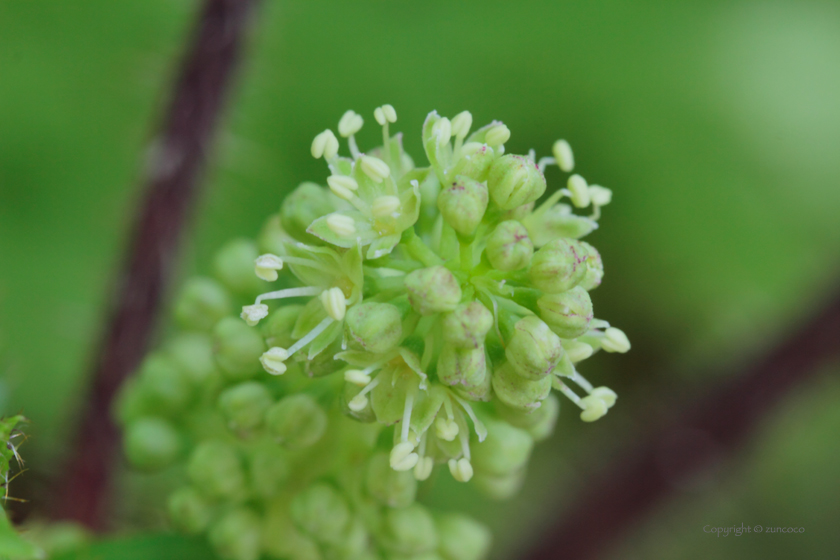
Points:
point(427, 314)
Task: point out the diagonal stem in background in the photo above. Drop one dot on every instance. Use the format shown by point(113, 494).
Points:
point(694, 437)
point(179, 155)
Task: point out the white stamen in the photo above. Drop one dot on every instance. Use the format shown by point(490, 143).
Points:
point(334, 303)
point(325, 144)
point(272, 360)
point(287, 293)
point(615, 341)
point(442, 130)
point(356, 377)
point(385, 206)
point(350, 123)
point(605, 394)
point(358, 403)
point(322, 326)
point(600, 196)
point(461, 469)
point(446, 428)
point(403, 457)
point(345, 182)
point(579, 191)
point(341, 225)
point(560, 386)
point(406, 419)
point(497, 135)
point(461, 124)
point(252, 314)
point(593, 408)
point(563, 155)
point(545, 162)
point(375, 168)
point(582, 382)
point(423, 468)
point(266, 267)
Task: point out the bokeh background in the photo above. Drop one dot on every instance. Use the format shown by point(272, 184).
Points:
point(716, 124)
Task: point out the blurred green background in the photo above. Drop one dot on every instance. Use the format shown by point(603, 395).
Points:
point(716, 124)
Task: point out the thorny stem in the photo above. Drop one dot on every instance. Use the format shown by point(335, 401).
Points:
point(179, 156)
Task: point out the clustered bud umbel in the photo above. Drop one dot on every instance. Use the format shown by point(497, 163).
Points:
point(421, 318)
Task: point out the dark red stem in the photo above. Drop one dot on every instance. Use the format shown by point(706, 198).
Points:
point(178, 157)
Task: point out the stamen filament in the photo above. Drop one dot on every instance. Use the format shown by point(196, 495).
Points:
point(559, 385)
point(288, 293)
point(322, 326)
point(406, 419)
point(580, 380)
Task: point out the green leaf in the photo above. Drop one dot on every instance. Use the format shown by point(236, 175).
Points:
point(159, 546)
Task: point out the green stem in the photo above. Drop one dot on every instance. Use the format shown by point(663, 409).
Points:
point(418, 250)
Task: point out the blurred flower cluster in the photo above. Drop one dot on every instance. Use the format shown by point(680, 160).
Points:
point(421, 318)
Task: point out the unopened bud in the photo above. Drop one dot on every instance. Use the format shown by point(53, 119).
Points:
point(577, 351)
point(475, 161)
point(567, 313)
point(514, 181)
point(615, 341)
point(269, 468)
point(234, 266)
point(509, 247)
point(237, 535)
point(432, 290)
point(558, 266)
point(391, 488)
point(167, 388)
point(467, 326)
point(189, 511)
point(201, 304)
point(563, 155)
point(376, 327)
point(245, 405)
point(408, 531)
point(322, 512)
point(463, 203)
point(296, 421)
point(151, 443)
point(519, 392)
point(461, 367)
point(533, 351)
point(238, 348)
point(594, 268)
point(216, 469)
point(462, 538)
point(303, 206)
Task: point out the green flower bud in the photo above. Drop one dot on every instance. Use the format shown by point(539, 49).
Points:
point(461, 537)
point(296, 421)
point(461, 367)
point(517, 391)
point(268, 469)
point(353, 545)
point(594, 268)
point(321, 512)
point(505, 449)
point(391, 488)
point(303, 206)
point(215, 469)
point(509, 247)
point(514, 181)
point(467, 326)
point(499, 487)
point(151, 443)
point(432, 290)
point(281, 539)
point(475, 161)
point(567, 313)
point(237, 535)
point(558, 221)
point(277, 329)
point(238, 348)
point(166, 387)
point(234, 267)
point(409, 531)
point(244, 405)
point(463, 203)
point(533, 351)
point(193, 355)
point(559, 266)
point(189, 511)
point(576, 350)
point(539, 423)
point(377, 327)
point(203, 302)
